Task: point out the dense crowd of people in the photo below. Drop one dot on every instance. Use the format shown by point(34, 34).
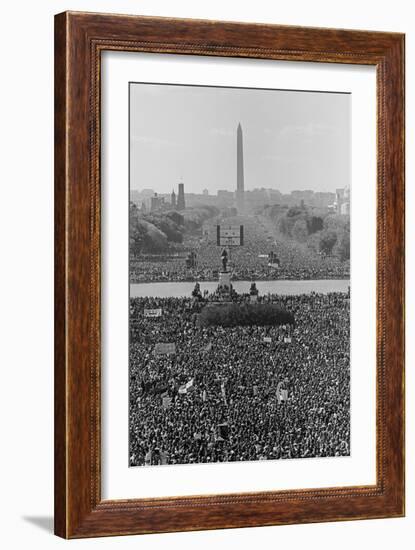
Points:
point(249, 261)
point(239, 393)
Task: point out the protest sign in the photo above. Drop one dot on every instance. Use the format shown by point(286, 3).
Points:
point(152, 312)
point(164, 348)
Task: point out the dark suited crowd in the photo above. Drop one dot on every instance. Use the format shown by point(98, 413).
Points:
point(239, 393)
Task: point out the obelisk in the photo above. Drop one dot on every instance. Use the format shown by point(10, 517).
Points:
point(240, 202)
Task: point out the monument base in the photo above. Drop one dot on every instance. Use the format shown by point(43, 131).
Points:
point(225, 286)
point(225, 279)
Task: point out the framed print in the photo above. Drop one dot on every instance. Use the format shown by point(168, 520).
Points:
point(229, 275)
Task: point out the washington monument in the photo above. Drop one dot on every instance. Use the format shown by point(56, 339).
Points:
point(240, 202)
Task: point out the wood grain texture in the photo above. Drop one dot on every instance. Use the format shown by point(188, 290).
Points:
point(79, 40)
point(60, 277)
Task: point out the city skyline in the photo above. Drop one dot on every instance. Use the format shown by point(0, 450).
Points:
point(291, 140)
point(234, 191)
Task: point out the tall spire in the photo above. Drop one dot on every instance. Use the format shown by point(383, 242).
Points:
point(240, 184)
point(181, 205)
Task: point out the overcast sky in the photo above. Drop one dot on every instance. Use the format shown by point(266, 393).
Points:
point(292, 139)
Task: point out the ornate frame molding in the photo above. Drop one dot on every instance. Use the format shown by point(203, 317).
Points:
point(79, 40)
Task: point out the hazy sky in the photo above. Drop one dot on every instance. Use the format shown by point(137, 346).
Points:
point(292, 139)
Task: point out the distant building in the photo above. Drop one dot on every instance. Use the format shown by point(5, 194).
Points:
point(181, 204)
point(258, 198)
point(205, 192)
point(198, 200)
point(343, 201)
point(323, 199)
point(143, 196)
point(173, 199)
point(157, 203)
point(302, 197)
point(225, 198)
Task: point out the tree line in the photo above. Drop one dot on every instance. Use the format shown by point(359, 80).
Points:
point(155, 232)
point(326, 233)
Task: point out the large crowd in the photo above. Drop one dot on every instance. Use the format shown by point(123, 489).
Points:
point(239, 393)
point(250, 261)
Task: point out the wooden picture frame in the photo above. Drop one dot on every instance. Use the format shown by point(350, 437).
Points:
point(79, 40)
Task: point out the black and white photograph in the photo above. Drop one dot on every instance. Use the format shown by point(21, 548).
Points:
point(208, 268)
point(239, 274)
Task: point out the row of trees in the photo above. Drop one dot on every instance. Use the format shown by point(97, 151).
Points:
point(334, 238)
point(327, 233)
point(234, 314)
point(154, 232)
point(195, 217)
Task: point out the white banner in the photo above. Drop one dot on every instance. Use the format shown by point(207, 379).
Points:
point(164, 349)
point(166, 402)
point(186, 387)
point(152, 312)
